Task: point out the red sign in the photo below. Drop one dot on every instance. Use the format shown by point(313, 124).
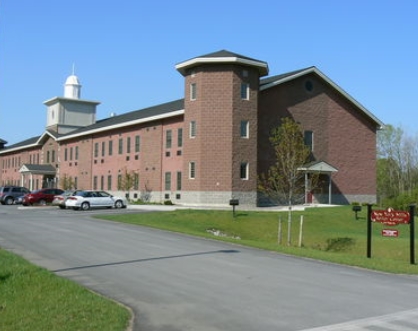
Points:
point(390, 216)
point(390, 233)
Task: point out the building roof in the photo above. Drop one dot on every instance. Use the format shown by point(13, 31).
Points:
point(168, 109)
point(176, 108)
point(223, 56)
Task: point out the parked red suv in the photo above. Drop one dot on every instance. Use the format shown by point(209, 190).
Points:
point(41, 197)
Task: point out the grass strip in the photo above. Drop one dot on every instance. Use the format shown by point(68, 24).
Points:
point(32, 298)
point(330, 234)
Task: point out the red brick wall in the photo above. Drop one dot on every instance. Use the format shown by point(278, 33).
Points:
point(218, 110)
point(342, 136)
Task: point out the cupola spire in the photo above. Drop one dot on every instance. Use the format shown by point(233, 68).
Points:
point(72, 88)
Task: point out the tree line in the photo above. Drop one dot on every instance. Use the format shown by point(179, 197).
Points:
point(397, 167)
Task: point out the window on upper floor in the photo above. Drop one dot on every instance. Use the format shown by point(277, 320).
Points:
point(180, 137)
point(308, 139)
point(96, 149)
point(193, 91)
point(137, 144)
point(244, 129)
point(192, 129)
point(120, 145)
point(103, 148)
point(110, 147)
point(168, 138)
point(128, 144)
point(245, 91)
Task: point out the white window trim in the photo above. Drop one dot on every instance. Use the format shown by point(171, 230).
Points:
point(193, 91)
point(192, 129)
point(247, 129)
point(247, 170)
point(247, 91)
point(192, 164)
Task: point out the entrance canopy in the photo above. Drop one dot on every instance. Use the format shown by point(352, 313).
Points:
point(46, 170)
point(318, 167)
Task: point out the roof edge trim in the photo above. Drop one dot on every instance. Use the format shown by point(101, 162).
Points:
point(263, 66)
point(121, 125)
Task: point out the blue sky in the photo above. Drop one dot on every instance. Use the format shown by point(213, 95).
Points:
point(125, 52)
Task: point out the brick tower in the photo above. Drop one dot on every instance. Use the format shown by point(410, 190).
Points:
point(220, 128)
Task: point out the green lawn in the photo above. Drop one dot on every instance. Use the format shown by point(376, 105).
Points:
point(32, 299)
point(330, 234)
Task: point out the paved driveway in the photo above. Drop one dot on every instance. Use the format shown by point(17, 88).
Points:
point(176, 282)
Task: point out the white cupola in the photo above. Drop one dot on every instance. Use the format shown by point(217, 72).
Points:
point(72, 87)
point(68, 113)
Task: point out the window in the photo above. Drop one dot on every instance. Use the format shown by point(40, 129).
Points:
point(109, 182)
point(110, 147)
point(244, 129)
point(76, 152)
point(244, 170)
point(128, 145)
point(120, 145)
point(167, 183)
point(192, 170)
point(96, 149)
point(245, 91)
point(53, 156)
point(180, 137)
point(137, 144)
point(47, 157)
point(95, 183)
point(102, 182)
point(308, 139)
point(103, 148)
point(178, 180)
point(168, 138)
point(119, 182)
point(66, 154)
point(75, 182)
point(192, 129)
point(193, 91)
point(71, 153)
point(136, 181)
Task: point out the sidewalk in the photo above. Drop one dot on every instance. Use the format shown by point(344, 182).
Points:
point(237, 208)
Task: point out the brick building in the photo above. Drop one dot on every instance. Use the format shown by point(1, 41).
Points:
point(207, 147)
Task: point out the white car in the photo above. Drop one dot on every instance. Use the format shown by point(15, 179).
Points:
point(86, 199)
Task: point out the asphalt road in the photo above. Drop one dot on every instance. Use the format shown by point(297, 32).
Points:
point(175, 282)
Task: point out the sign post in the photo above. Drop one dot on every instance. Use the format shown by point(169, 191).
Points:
point(391, 217)
point(412, 233)
point(369, 231)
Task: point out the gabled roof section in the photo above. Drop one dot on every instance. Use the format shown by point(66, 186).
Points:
point(280, 79)
point(318, 166)
point(223, 56)
point(28, 143)
point(158, 112)
point(43, 169)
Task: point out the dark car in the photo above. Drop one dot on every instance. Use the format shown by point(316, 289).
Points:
point(9, 193)
point(41, 197)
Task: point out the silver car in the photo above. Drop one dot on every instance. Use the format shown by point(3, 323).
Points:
point(86, 199)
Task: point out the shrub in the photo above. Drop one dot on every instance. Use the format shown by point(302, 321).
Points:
point(339, 244)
